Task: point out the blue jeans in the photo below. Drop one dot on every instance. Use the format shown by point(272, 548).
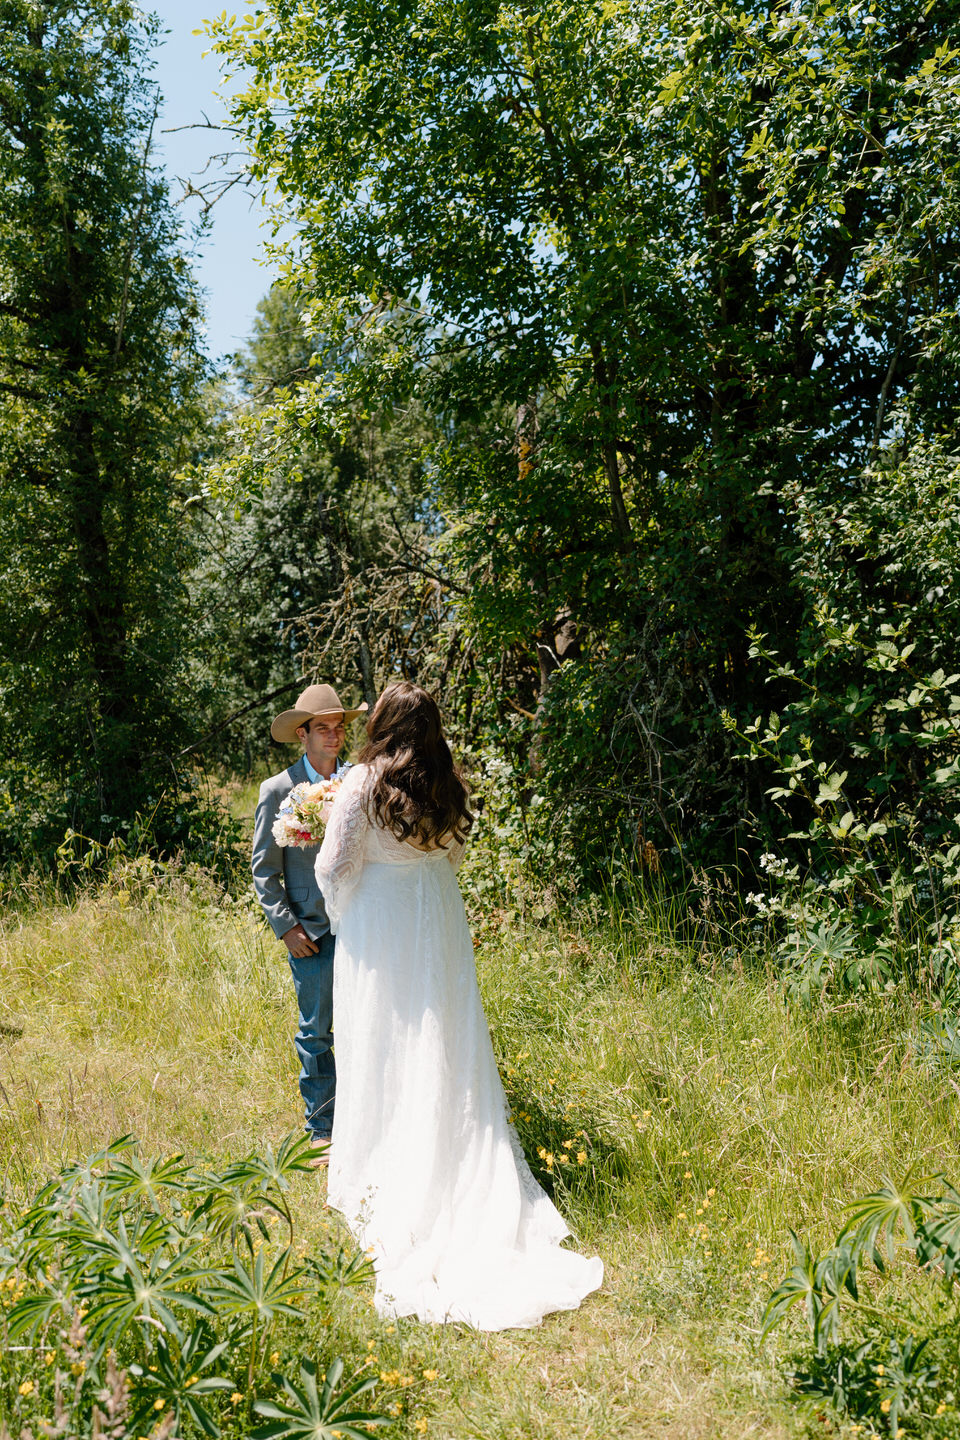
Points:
point(313, 982)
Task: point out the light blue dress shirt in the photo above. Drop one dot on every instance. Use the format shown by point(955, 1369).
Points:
point(314, 776)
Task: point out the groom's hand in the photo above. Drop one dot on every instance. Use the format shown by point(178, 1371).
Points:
point(299, 944)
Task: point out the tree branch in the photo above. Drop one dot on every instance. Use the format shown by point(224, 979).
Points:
point(20, 392)
point(254, 705)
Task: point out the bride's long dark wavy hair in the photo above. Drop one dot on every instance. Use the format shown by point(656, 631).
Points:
point(417, 792)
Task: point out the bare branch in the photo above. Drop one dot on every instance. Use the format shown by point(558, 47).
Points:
point(254, 705)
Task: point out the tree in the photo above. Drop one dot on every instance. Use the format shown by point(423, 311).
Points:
point(99, 369)
point(315, 574)
point(680, 259)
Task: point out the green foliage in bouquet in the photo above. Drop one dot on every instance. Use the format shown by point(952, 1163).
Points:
point(159, 1296)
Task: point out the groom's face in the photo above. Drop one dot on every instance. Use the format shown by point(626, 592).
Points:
point(323, 739)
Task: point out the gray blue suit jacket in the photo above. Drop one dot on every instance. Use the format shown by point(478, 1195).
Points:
point(284, 876)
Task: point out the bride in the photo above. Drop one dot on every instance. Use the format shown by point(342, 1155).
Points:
point(424, 1165)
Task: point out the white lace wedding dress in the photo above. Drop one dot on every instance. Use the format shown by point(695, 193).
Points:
point(424, 1165)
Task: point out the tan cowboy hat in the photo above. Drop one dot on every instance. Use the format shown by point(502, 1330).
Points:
point(315, 700)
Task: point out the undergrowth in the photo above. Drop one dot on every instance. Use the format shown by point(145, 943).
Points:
point(684, 1117)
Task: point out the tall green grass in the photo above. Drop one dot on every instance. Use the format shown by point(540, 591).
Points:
point(710, 1117)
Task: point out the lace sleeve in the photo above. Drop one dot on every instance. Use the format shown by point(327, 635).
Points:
point(341, 855)
point(455, 849)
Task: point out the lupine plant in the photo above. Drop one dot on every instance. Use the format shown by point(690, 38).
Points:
point(881, 1354)
point(156, 1296)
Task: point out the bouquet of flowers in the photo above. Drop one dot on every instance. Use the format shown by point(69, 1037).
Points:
point(303, 815)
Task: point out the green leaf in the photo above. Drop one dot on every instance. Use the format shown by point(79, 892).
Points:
point(256, 1293)
point(177, 1378)
point(316, 1414)
point(798, 1287)
point(875, 1219)
point(143, 1294)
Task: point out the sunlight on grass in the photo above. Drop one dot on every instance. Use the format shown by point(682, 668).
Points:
point(681, 1114)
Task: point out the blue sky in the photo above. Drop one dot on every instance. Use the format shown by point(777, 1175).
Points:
point(227, 264)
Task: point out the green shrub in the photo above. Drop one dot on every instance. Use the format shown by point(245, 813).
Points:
point(183, 827)
point(863, 843)
point(154, 1295)
point(883, 1354)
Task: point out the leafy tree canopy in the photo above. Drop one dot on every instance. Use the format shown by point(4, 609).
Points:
point(654, 267)
point(99, 369)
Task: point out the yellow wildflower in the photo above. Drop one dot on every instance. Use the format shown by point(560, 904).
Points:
point(688, 1174)
point(78, 1367)
point(26, 1388)
point(430, 1374)
point(236, 1397)
point(420, 1426)
point(158, 1404)
point(581, 1157)
point(885, 1405)
point(275, 1357)
point(50, 1359)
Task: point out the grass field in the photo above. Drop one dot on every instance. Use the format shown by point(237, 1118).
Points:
point(712, 1118)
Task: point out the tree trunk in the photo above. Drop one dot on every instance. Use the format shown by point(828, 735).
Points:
point(604, 375)
point(557, 641)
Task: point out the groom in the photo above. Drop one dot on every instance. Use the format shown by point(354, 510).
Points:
point(289, 895)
